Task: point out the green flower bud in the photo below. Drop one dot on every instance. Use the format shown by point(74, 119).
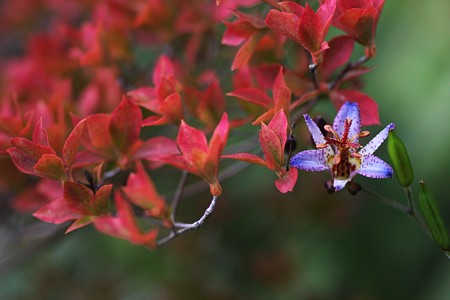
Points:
point(400, 160)
point(433, 217)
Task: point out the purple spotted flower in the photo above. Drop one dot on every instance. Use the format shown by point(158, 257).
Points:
point(341, 153)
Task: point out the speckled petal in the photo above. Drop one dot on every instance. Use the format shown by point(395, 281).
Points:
point(314, 129)
point(376, 141)
point(348, 110)
point(374, 167)
point(339, 184)
point(310, 160)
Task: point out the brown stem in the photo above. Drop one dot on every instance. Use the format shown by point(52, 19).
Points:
point(347, 69)
point(177, 195)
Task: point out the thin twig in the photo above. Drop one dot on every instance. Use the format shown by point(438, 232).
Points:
point(387, 201)
point(226, 173)
point(347, 69)
point(177, 196)
point(304, 109)
point(188, 227)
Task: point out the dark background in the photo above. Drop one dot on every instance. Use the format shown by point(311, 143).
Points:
point(260, 244)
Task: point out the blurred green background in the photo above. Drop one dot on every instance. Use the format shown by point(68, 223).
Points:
point(260, 244)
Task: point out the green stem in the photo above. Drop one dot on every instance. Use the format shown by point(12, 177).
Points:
point(413, 213)
point(409, 195)
point(387, 201)
point(409, 210)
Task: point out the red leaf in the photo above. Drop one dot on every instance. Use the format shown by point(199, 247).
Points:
point(172, 108)
point(279, 125)
point(98, 130)
point(325, 13)
point(26, 154)
point(367, 106)
point(78, 196)
point(281, 93)
point(253, 21)
point(142, 192)
point(365, 27)
point(245, 52)
point(355, 73)
point(24, 163)
point(286, 24)
point(287, 182)
point(50, 166)
point(192, 142)
point(247, 157)
point(145, 97)
point(167, 87)
point(311, 30)
point(360, 23)
point(40, 135)
point(156, 148)
point(36, 196)
point(180, 162)
point(212, 105)
point(264, 117)
point(56, 212)
point(215, 147)
point(291, 7)
point(81, 222)
point(99, 203)
point(271, 146)
point(237, 32)
point(163, 69)
point(125, 125)
point(86, 158)
point(70, 147)
point(340, 51)
point(252, 95)
point(124, 225)
point(241, 29)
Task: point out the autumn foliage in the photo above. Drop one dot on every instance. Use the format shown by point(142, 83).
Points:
point(110, 94)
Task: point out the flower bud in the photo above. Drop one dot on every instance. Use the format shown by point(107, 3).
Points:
point(400, 160)
point(353, 188)
point(433, 217)
point(291, 144)
point(329, 186)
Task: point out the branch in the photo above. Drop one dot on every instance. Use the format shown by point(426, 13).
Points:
point(347, 69)
point(312, 69)
point(187, 227)
point(200, 186)
point(177, 196)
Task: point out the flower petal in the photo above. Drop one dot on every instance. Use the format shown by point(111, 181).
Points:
point(376, 141)
point(339, 184)
point(318, 136)
point(348, 110)
point(375, 167)
point(310, 160)
point(314, 129)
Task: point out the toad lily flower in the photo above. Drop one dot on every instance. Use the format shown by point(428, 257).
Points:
point(340, 153)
